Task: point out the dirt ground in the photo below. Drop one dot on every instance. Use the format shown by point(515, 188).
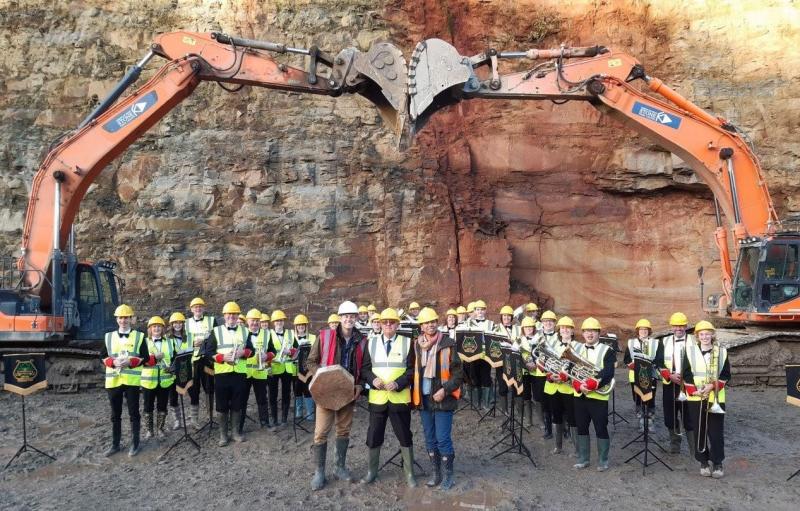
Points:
point(270, 469)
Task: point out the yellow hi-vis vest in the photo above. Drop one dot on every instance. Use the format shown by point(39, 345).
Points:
point(116, 346)
point(157, 375)
point(527, 346)
point(286, 365)
point(706, 372)
point(181, 345)
point(513, 332)
point(673, 353)
point(648, 347)
point(551, 387)
point(194, 329)
point(389, 368)
point(260, 344)
point(595, 356)
point(227, 341)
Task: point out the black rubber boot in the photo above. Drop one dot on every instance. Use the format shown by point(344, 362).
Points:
point(547, 420)
point(559, 438)
point(436, 463)
point(448, 482)
point(263, 416)
point(161, 424)
point(135, 429)
point(237, 418)
point(224, 425)
point(116, 436)
point(320, 452)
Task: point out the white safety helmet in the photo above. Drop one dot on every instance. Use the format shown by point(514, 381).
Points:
point(348, 307)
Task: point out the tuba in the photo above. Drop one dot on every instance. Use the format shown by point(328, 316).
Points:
point(579, 369)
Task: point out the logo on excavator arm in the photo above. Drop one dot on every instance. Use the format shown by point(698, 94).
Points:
point(139, 107)
point(656, 115)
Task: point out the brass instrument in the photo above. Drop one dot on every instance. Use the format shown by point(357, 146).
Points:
point(580, 369)
point(546, 357)
point(712, 371)
point(286, 345)
point(677, 359)
point(122, 355)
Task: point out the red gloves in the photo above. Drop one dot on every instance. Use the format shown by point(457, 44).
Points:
point(539, 366)
point(631, 365)
point(720, 385)
point(135, 361)
point(691, 389)
point(247, 353)
point(550, 377)
point(270, 356)
point(109, 362)
point(665, 374)
point(219, 358)
point(576, 385)
point(152, 360)
point(293, 352)
point(564, 377)
point(592, 384)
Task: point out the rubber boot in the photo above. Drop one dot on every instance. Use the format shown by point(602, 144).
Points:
point(482, 398)
point(374, 461)
point(559, 438)
point(573, 435)
point(148, 426)
point(320, 452)
point(691, 439)
point(340, 448)
point(284, 412)
point(238, 425)
point(224, 426)
point(194, 416)
point(298, 408)
point(311, 408)
point(603, 446)
point(237, 418)
point(436, 463)
point(504, 404)
point(274, 422)
point(675, 443)
point(135, 428)
point(448, 482)
point(263, 416)
point(178, 424)
point(547, 422)
point(529, 413)
point(583, 452)
point(408, 466)
point(161, 424)
point(474, 395)
point(116, 436)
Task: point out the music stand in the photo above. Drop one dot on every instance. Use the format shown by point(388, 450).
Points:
point(492, 411)
point(516, 445)
point(643, 384)
point(25, 374)
point(610, 339)
point(210, 423)
point(183, 381)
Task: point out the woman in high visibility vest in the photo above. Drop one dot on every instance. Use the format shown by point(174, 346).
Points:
point(512, 332)
point(283, 344)
point(303, 402)
point(646, 347)
point(435, 391)
point(257, 369)
point(198, 328)
point(157, 379)
point(549, 335)
point(180, 344)
point(706, 372)
point(561, 394)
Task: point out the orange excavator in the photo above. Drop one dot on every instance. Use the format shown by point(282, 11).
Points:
point(51, 299)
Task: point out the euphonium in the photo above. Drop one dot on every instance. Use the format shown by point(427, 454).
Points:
point(580, 369)
point(547, 358)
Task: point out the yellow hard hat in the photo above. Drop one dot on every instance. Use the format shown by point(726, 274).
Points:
point(507, 310)
point(590, 324)
point(678, 319)
point(253, 314)
point(531, 307)
point(371, 308)
point(413, 305)
point(374, 316)
point(334, 318)
point(156, 320)
point(471, 307)
point(389, 314)
point(528, 321)
point(451, 312)
point(231, 308)
point(704, 325)
point(300, 319)
point(363, 308)
point(123, 311)
point(461, 310)
point(480, 304)
point(264, 316)
point(242, 317)
point(643, 323)
point(566, 321)
point(177, 317)
point(277, 315)
point(196, 301)
point(549, 315)
point(426, 315)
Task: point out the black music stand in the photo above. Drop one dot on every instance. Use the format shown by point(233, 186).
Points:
point(297, 422)
point(186, 437)
point(492, 411)
point(182, 368)
point(644, 436)
point(516, 445)
point(26, 447)
point(791, 476)
point(643, 387)
point(610, 339)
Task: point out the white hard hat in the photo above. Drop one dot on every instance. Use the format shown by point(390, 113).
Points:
point(348, 308)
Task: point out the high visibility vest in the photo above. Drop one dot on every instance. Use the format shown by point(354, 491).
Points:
point(648, 347)
point(286, 365)
point(537, 338)
point(559, 386)
point(227, 341)
point(309, 339)
point(513, 332)
point(260, 345)
point(198, 328)
point(706, 372)
point(673, 352)
point(116, 346)
point(596, 357)
point(157, 375)
point(181, 345)
point(389, 368)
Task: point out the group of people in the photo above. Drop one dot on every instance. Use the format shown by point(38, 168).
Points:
point(400, 373)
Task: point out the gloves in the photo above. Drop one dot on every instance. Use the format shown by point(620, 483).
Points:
point(246, 353)
point(110, 362)
point(134, 362)
point(591, 384)
point(563, 376)
point(269, 356)
point(293, 352)
point(152, 360)
point(631, 365)
point(665, 374)
point(691, 389)
point(720, 385)
point(219, 358)
point(576, 385)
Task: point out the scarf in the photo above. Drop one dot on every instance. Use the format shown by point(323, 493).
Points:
point(428, 354)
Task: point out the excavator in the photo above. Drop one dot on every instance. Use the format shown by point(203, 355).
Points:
point(760, 298)
point(53, 302)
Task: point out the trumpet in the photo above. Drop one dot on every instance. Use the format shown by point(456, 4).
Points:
point(713, 370)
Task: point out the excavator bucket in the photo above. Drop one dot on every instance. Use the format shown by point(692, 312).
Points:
point(385, 66)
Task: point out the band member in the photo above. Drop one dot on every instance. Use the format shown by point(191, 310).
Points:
point(198, 330)
point(706, 371)
point(549, 335)
point(527, 342)
point(181, 344)
point(435, 392)
point(257, 370)
point(480, 374)
point(333, 321)
point(125, 350)
point(388, 369)
point(451, 322)
point(375, 322)
point(413, 312)
point(303, 402)
point(512, 332)
point(470, 311)
point(264, 323)
point(668, 361)
point(344, 346)
point(647, 347)
point(363, 318)
point(229, 347)
point(283, 344)
point(532, 311)
point(461, 312)
point(242, 322)
point(372, 309)
point(157, 378)
point(591, 396)
point(562, 396)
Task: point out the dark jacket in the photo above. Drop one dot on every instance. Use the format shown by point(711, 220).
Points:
point(313, 362)
point(449, 403)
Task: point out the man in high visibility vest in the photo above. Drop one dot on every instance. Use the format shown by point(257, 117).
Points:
point(257, 369)
point(157, 379)
point(125, 351)
point(283, 345)
point(388, 369)
point(413, 312)
point(198, 329)
point(229, 347)
point(668, 361)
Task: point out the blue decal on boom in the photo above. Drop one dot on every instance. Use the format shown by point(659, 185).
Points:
point(132, 113)
point(656, 115)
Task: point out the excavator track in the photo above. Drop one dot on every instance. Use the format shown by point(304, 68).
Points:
point(69, 369)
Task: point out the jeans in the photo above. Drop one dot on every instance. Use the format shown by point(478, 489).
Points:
point(437, 426)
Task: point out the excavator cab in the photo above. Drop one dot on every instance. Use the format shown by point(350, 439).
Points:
point(767, 275)
point(96, 297)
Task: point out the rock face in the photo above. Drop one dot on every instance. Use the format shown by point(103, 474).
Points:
point(292, 201)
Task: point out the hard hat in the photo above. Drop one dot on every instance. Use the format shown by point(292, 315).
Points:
point(590, 324)
point(300, 319)
point(413, 305)
point(123, 311)
point(333, 318)
point(678, 319)
point(426, 315)
point(177, 317)
point(347, 307)
point(507, 310)
point(531, 307)
point(242, 317)
point(264, 316)
point(389, 314)
point(362, 308)
point(375, 316)
point(471, 307)
point(196, 301)
point(480, 304)
point(277, 315)
point(643, 323)
point(549, 315)
point(254, 314)
point(528, 321)
point(704, 325)
point(451, 312)
point(231, 308)
point(566, 321)
point(461, 310)
point(156, 320)
point(371, 308)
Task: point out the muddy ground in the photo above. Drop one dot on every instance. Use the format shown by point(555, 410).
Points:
point(270, 470)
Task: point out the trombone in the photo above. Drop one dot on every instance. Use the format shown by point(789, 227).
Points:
point(713, 370)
